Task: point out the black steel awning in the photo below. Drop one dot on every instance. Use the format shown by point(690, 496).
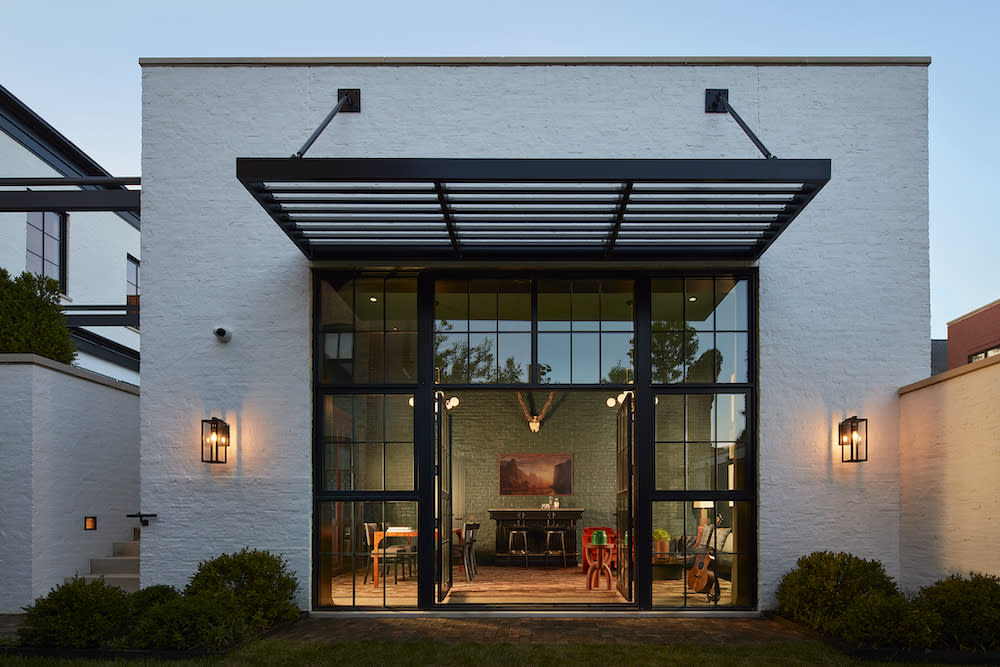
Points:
point(512, 209)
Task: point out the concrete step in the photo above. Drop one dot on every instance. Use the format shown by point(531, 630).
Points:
point(126, 549)
point(127, 582)
point(115, 565)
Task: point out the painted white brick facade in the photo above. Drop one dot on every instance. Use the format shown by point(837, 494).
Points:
point(950, 445)
point(69, 451)
point(844, 299)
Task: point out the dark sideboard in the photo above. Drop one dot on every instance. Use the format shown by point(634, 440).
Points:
point(536, 521)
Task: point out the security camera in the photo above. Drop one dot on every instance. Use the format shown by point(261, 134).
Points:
point(223, 334)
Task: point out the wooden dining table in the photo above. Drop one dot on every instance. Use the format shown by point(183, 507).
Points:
point(408, 533)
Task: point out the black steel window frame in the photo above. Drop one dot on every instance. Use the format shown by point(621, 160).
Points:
point(63, 241)
point(321, 390)
point(423, 390)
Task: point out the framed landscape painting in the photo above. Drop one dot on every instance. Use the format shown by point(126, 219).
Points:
point(536, 474)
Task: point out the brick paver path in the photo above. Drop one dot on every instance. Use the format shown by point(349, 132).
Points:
point(545, 630)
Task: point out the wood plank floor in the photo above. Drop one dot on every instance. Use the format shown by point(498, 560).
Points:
point(512, 585)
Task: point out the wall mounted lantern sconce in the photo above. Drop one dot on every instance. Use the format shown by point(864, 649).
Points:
point(449, 403)
point(854, 440)
point(90, 523)
point(214, 440)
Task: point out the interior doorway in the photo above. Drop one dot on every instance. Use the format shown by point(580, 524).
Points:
point(515, 454)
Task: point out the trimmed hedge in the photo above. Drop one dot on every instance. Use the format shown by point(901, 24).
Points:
point(78, 614)
point(853, 599)
point(226, 599)
point(969, 610)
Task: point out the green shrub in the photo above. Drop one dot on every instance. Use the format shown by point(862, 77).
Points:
point(879, 619)
point(969, 609)
point(823, 584)
point(31, 319)
point(78, 614)
point(189, 622)
point(142, 600)
point(258, 581)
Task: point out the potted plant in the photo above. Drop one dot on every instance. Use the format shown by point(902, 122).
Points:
point(661, 542)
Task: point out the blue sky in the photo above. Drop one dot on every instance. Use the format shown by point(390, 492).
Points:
point(76, 64)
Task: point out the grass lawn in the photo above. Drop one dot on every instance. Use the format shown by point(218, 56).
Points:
point(295, 653)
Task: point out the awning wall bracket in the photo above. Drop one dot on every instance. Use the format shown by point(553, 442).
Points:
point(717, 101)
point(348, 101)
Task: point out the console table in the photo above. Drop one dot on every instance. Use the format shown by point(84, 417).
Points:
point(537, 522)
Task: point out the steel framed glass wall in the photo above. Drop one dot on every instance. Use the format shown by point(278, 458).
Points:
point(684, 344)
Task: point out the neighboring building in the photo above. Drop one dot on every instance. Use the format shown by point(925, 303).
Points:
point(974, 336)
point(69, 456)
point(94, 254)
point(536, 237)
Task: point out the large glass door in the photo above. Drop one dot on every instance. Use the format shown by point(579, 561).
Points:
point(625, 440)
point(443, 519)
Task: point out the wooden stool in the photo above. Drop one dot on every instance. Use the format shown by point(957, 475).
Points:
point(523, 534)
point(549, 535)
point(602, 566)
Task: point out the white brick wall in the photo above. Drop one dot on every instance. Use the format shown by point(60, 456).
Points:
point(69, 451)
point(844, 314)
point(950, 445)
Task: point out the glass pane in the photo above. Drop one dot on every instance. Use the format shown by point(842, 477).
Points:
point(730, 418)
point(51, 270)
point(586, 305)
point(401, 304)
point(398, 418)
point(53, 222)
point(616, 358)
point(451, 357)
point(33, 262)
point(672, 523)
point(337, 304)
point(586, 354)
point(451, 305)
point(731, 311)
point(701, 358)
point(401, 357)
point(616, 305)
point(668, 304)
point(369, 305)
point(699, 306)
point(35, 219)
point(51, 249)
point(700, 466)
point(482, 357)
point(36, 244)
point(482, 305)
point(514, 353)
point(368, 356)
point(515, 305)
point(337, 437)
point(554, 358)
point(732, 349)
point(368, 417)
point(669, 466)
point(667, 357)
point(338, 358)
point(132, 272)
point(700, 413)
point(399, 467)
point(669, 413)
point(554, 305)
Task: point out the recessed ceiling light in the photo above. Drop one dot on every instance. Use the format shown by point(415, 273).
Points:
point(373, 299)
point(692, 298)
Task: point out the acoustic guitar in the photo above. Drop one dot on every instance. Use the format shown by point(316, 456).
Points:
point(700, 577)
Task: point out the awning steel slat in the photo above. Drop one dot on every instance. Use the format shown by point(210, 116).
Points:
point(412, 208)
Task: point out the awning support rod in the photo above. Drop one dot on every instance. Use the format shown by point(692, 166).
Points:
point(345, 99)
point(717, 101)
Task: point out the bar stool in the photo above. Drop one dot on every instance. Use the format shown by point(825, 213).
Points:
point(522, 532)
point(550, 534)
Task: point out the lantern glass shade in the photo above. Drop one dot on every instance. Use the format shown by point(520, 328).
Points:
point(854, 440)
point(90, 523)
point(214, 440)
